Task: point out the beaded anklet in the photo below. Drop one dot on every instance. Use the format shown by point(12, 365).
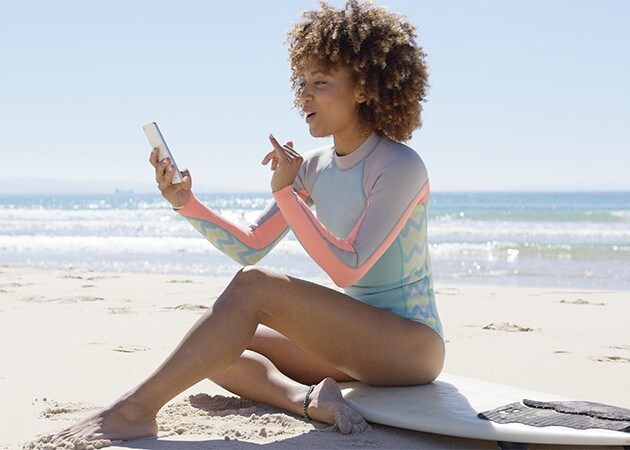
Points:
point(305, 403)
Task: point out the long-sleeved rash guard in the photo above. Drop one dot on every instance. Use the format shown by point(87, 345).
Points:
point(369, 232)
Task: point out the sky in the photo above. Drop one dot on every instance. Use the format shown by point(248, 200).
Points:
point(525, 95)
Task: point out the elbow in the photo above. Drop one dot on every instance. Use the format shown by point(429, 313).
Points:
point(248, 259)
point(345, 279)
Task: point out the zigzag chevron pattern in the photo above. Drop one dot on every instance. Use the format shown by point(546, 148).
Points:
point(228, 244)
point(413, 242)
point(420, 301)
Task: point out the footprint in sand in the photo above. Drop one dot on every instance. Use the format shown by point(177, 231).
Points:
point(186, 307)
point(620, 347)
point(130, 348)
point(89, 278)
point(34, 299)
point(581, 301)
point(120, 310)
point(180, 281)
point(78, 299)
point(73, 299)
point(613, 359)
point(71, 277)
point(506, 326)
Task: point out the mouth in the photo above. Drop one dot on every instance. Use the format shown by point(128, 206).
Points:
point(309, 116)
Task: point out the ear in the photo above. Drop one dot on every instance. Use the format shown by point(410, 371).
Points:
point(360, 95)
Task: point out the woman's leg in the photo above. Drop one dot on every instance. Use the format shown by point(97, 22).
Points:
point(368, 344)
point(255, 377)
point(277, 372)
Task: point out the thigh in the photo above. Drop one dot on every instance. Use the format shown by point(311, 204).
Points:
point(366, 343)
point(292, 360)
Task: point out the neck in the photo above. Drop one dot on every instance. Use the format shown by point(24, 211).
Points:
point(349, 142)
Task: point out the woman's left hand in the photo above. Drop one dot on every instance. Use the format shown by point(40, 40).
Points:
point(285, 163)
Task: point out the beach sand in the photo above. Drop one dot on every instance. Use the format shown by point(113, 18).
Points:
point(73, 341)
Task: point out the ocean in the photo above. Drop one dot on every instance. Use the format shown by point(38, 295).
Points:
point(568, 240)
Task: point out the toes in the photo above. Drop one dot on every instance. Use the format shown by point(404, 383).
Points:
point(350, 421)
point(344, 424)
point(361, 427)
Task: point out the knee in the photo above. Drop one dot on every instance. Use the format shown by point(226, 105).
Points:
point(251, 281)
point(252, 275)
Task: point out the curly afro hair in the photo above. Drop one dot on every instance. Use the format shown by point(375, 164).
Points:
point(380, 49)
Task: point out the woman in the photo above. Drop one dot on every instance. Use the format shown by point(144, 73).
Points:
point(359, 77)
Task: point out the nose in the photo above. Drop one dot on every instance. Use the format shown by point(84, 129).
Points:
point(305, 94)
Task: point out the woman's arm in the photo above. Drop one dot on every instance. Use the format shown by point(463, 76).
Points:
point(398, 189)
point(245, 245)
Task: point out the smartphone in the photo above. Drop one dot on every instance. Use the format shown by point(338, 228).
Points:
point(157, 141)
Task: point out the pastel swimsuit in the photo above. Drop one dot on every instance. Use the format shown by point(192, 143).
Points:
point(369, 233)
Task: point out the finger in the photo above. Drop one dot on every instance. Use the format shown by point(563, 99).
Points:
point(167, 174)
point(153, 158)
point(186, 178)
point(279, 150)
point(161, 169)
point(268, 157)
point(289, 144)
point(170, 190)
point(289, 151)
point(166, 183)
point(163, 181)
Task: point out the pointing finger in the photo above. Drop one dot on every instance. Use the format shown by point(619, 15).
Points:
point(279, 150)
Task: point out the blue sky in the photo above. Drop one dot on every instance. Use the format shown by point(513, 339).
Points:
point(525, 95)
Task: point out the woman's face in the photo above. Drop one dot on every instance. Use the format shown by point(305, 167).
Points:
point(330, 101)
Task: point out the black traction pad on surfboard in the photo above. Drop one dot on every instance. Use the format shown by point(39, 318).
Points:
point(573, 414)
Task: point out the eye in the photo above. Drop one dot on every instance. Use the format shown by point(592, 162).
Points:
point(319, 83)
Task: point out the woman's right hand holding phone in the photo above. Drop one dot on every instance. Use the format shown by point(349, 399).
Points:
point(176, 194)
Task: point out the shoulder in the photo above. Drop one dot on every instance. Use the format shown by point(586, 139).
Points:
point(314, 161)
point(318, 154)
point(396, 160)
point(318, 158)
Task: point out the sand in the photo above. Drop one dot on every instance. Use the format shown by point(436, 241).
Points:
point(73, 341)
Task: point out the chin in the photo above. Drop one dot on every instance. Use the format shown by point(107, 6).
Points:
point(318, 133)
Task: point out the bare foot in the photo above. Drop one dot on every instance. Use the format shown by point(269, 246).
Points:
point(121, 421)
point(329, 406)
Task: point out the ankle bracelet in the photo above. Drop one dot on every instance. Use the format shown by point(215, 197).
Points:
point(305, 403)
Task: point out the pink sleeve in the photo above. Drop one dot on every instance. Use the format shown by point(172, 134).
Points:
point(346, 261)
point(244, 245)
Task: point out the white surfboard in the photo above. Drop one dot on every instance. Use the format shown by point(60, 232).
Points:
point(450, 405)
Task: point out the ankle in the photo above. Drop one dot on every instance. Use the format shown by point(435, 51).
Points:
point(133, 410)
point(307, 401)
